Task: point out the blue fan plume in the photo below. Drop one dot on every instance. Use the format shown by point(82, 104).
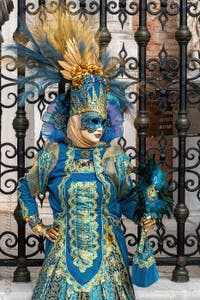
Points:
point(152, 191)
point(41, 60)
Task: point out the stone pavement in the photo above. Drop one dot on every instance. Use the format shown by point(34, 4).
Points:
point(163, 289)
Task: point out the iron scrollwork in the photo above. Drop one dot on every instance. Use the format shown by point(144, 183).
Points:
point(35, 242)
point(122, 9)
point(192, 184)
point(127, 67)
point(9, 64)
point(193, 8)
point(193, 65)
point(193, 241)
point(166, 9)
point(131, 239)
point(11, 241)
point(84, 8)
point(162, 80)
point(162, 242)
point(42, 9)
point(8, 152)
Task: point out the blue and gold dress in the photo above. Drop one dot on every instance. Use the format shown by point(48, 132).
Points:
point(89, 190)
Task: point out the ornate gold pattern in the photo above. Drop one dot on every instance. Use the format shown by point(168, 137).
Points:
point(112, 271)
point(85, 154)
point(147, 265)
point(83, 237)
point(68, 163)
point(150, 260)
point(82, 166)
point(69, 158)
point(95, 103)
point(80, 71)
point(112, 281)
point(114, 257)
point(48, 158)
point(151, 193)
point(99, 170)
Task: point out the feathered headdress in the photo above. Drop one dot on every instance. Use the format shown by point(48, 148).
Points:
point(62, 51)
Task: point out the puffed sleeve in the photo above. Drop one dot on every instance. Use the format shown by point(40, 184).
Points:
point(35, 181)
point(118, 167)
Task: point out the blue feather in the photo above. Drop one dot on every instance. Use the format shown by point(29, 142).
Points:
point(51, 52)
point(105, 59)
point(118, 88)
point(44, 70)
point(82, 46)
point(152, 191)
point(24, 30)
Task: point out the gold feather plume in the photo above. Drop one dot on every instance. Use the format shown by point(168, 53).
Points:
point(74, 42)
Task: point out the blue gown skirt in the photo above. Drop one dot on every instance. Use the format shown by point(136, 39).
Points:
point(111, 281)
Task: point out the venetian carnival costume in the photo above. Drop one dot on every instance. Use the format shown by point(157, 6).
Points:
point(88, 183)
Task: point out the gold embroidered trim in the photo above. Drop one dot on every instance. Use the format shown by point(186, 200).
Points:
point(82, 224)
point(61, 187)
point(58, 252)
point(80, 166)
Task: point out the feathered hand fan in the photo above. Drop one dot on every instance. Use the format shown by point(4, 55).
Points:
point(153, 202)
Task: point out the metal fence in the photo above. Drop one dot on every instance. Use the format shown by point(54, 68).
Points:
point(163, 84)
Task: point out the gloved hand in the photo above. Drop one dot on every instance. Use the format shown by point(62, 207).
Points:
point(147, 223)
point(51, 233)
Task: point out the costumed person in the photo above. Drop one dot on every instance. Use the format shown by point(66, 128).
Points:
point(87, 180)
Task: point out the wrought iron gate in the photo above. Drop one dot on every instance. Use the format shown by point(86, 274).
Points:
point(166, 84)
